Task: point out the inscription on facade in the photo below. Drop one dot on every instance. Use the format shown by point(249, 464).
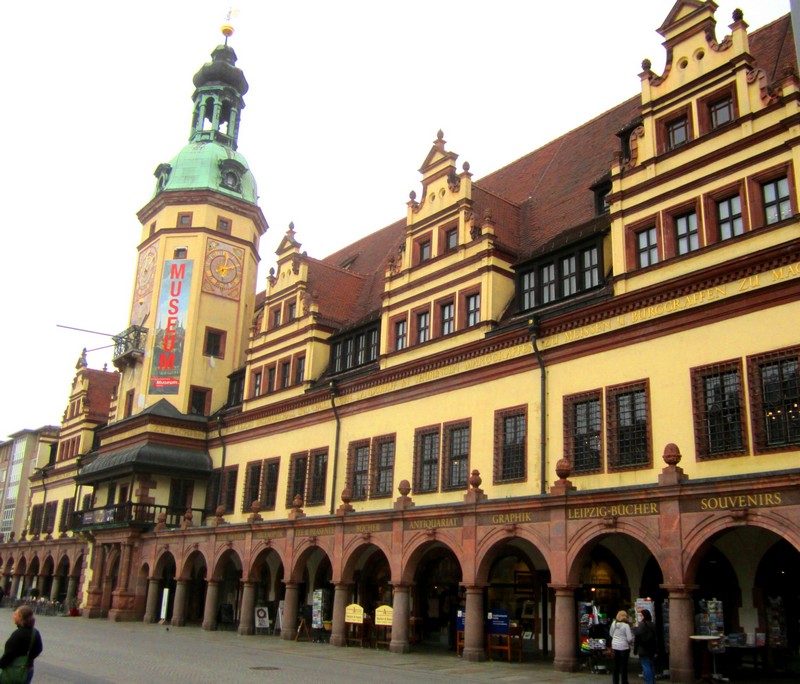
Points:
point(368, 528)
point(317, 531)
point(432, 523)
point(726, 502)
point(619, 510)
point(273, 534)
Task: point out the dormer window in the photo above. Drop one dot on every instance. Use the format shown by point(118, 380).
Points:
point(231, 174)
point(602, 191)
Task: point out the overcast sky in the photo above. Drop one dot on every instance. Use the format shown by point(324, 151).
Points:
point(345, 100)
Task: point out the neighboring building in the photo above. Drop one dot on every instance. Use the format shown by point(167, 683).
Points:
point(515, 358)
point(19, 457)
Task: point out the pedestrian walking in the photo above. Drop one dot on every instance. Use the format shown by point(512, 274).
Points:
point(621, 642)
point(22, 647)
point(645, 645)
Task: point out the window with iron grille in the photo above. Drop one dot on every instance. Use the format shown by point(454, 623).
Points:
point(298, 473)
point(729, 217)
point(456, 456)
point(221, 489)
point(582, 431)
point(358, 467)
point(269, 487)
point(510, 432)
point(67, 509)
point(628, 427)
point(383, 452)
point(319, 473)
point(775, 398)
point(426, 460)
point(252, 486)
point(717, 402)
point(777, 205)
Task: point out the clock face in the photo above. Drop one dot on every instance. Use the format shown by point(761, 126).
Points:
point(222, 271)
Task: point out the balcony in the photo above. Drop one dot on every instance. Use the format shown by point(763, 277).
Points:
point(129, 514)
point(129, 346)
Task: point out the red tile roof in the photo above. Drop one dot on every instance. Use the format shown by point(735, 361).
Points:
point(534, 200)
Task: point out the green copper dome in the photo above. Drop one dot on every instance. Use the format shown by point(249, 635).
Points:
point(210, 160)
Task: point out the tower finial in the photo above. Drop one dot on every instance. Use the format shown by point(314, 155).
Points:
point(227, 27)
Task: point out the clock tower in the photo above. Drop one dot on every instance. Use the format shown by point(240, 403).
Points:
point(195, 285)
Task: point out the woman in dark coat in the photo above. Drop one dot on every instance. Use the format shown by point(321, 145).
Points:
point(25, 639)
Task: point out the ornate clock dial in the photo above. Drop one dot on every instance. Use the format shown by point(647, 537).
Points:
point(223, 269)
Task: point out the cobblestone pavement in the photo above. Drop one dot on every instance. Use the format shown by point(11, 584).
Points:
point(98, 652)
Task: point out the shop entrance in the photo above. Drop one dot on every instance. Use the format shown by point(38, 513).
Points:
point(436, 599)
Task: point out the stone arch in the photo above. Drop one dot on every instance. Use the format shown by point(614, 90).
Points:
point(353, 551)
point(418, 546)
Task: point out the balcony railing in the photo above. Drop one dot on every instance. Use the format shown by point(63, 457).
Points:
point(129, 345)
point(132, 515)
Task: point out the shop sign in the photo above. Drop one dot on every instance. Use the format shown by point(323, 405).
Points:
point(726, 502)
point(613, 510)
point(262, 617)
point(317, 531)
point(497, 622)
point(368, 528)
point(383, 616)
point(433, 523)
point(354, 614)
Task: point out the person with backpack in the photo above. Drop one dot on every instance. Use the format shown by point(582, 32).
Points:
point(621, 641)
point(645, 645)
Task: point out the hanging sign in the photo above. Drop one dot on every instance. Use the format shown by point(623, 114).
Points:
point(170, 327)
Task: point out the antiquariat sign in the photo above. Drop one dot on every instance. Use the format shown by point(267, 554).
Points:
point(433, 523)
point(170, 327)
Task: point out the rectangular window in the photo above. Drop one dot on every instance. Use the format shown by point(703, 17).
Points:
point(510, 432)
point(291, 311)
point(569, 276)
point(372, 345)
point(721, 111)
point(447, 315)
point(35, 524)
point(215, 343)
point(717, 401)
point(67, 509)
point(591, 268)
point(276, 317)
point(729, 217)
point(298, 474)
point(426, 460)
point(383, 469)
point(451, 239)
point(128, 403)
point(270, 379)
point(359, 469)
point(777, 206)
point(582, 432)
point(646, 247)
point(473, 309)
point(677, 132)
point(269, 488)
point(286, 374)
point(361, 349)
point(223, 225)
point(200, 401)
point(180, 495)
point(628, 427)
point(257, 384)
point(50, 512)
point(686, 235)
point(221, 489)
point(528, 290)
point(423, 327)
point(424, 250)
point(775, 398)
point(185, 220)
point(456, 456)
point(299, 369)
point(400, 335)
point(319, 473)
point(252, 486)
point(547, 282)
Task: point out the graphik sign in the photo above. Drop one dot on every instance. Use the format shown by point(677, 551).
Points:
point(170, 327)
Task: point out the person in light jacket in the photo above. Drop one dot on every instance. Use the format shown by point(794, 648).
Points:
point(621, 642)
